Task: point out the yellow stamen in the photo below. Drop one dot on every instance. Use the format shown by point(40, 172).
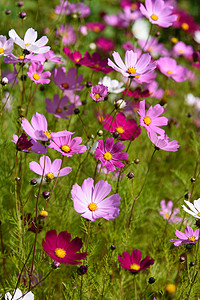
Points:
point(150, 49)
point(154, 17)
point(147, 120)
point(97, 96)
point(36, 76)
point(137, 76)
point(44, 214)
point(49, 176)
point(181, 51)
point(131, 70)
point(192, 238)
point(60, 253)
point(185, 26)
point(27, 44)
point(96, 66)
point(199, 214)
point(92, 206)
point(21, 57)
point(107, 156)
point(77, 59)
point(48, 134)
point(96, 29)
point(167, 216)
point(169, 72)
point(120, 130)
point(65, 148)
point(174, 40)
point(1, 50)
point(135, 267)
point(65, 85)
point(59, 110)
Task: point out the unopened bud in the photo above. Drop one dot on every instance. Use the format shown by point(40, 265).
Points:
point(4, 81)
point(120, 104)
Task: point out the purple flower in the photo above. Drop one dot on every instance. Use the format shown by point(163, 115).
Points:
point(48, 169)
point(12, 59)
point(158, 12)
point(69, 81)
point(169, 68)
point(168, 213)
point(182, 49)
point(67, 33)
point(90, 200)
point(99, 92)
point(162, 142)
point(6, 46)
point(59, 107)
point(151, 120)
point(110, 155)
point(22, 143)
point(35, 74)
point(134, 65)
point(189, 237)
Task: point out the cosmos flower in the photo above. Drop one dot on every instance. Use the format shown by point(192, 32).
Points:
point(49, 170)
point(133, 66)
point(154, 91)
point(36, 74)
point(105, 44)
point(29, 43)
point(150, 119)
point(162, 142)
point(68, 81)
point(96, 26)
point(90, 200)
point(133, 263)
point(59, 107)
point(169, 68)
point(158, 12)
point(6, 46)
point(110, 155)
point(61, 249)
point(17, 294)
point(74, 56)
point(140, 29)
point(113, 85)
point(168, 213)
point(189, 237)
point(182, 49)
point(194, 209)
point(67, 34)
point(24, 58)
point(193, 101)
point(22, 143)
point(98, 92)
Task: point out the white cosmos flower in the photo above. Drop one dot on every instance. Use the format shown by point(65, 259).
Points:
point(114, 86)
point(193, 101)
point(29, 43)
point(197, 36)
point(18, 295)
point(194, 208)
point(141, 29)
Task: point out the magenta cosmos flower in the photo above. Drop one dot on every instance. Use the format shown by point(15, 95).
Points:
point(35, 73)
point(99, 92)
point(133, 263)
point(150, 119)
point(59, 107)
point(63, 143)
point(110, 155)
point(22, 143)
point(133, 66)
point(61, 249)
point(169, 68)
point(189, 237)
point(168, 213)
point(49, 170)
point(158, 12)
point(37, 130)
point(162, 142)
point(90, 200)
point(127, 129)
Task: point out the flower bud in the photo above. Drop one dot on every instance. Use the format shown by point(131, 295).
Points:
point(193, 180)
point(55, 264)
point(82, 270)
point(182, 258)
point(130, 175)
point(8, 12)
point(116, 134)
point(89, 84)
point(195, 56)
point(45, 194)
point(22, 15)
point(76, 111)
point(43, 214)
point(100, 132)
point(20, 3)
point(112, 247)
point(4, 81)
point(192, 264)
point(136, 161)
point(33, 182)
point(151, 280)
point(120, 104)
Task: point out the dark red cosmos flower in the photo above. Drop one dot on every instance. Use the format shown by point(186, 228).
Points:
point(137, 93)
point(23, 143)
point(95, 26)
point(61, 249)
point(127, 128)
point(133, 263)
point(74, 56)
point(185, 21)
point(105, 44)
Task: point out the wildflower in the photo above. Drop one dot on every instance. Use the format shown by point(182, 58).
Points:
point(74, 56)
point(153, 47)
point(140, 29)
point(114, 86)
point(29, 43)
point(197, 36)
point(63, 143)
point(189, 237)
point(37, 130)
point(36, 74)
point(67, 33)
point(162, 142)
point(6, 46)
point(105, 44)
point(90, 200)
point(69, 81)
point(120, 104)
point(133, 263)
point(61, 249)
point(151, 120)
point(17, 294)
point(194, 208)
point(154, 91)
point(96, 26)
point(119, 21)
point(22, 143)
point(98, 92)
point(169, 68)
point(24, 58)
point(49, 170)
point(185, 21)
point(127, 129)
point(110, 155)
point(137, 93)
point(193, 101)
point(133, 66)
point(182, 49)
point(95, 63)
point(59, 107)
point(168, 213)
point(158, 12)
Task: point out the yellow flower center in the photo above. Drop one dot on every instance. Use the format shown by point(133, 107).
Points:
point(131, 70)
point(137, 76)
point(120, 129)
point(60, 253)
point(48, 134)
point(26, 44)
point(1, 50)
point(92, 206)
point(49, 176)
point(167, 216)
point(171, 288)
point(192, 238)
point(44, 214)
point(36, 76)
point(21, 57)
point(154, 17)
point(133, 6)
point(96, 29)
point(107, 156)
point(199, 214)
point(147, 120)
point(59, 110)
point(150, 49)
point(65, 148)
point(185, 26)
point(96, 66)
point(77, 59)
point(169, 72)
point(180, 51)
point(97, 96)
point(65, 85)
point(135, 267)
point(174, 40)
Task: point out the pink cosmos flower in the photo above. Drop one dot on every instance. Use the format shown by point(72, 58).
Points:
point(133, 66)
point(151, 120)
point(154, 91)
point(119, 21)
point(6, 46)
point(35, 74)
point(162, 142)
point(37, 130)
point(90, 200)
point(63, 143)
point(59, 107)
point(98, 92)
point(48, 169)
point(96, 26)
point(189, 237)
point(28, 58)
point(51, 56)
point(69, 81)
point(158, 12)
point(145, 78)
point(67, 33)
point(127, 129)
point(169, 68)
point(79, 9)
point(133, 263)
point(22, 143)
point(169, 213)
point(61, 249)
point(105, 44)
point(153, 47)
point(110, 155)
point(182, 49)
